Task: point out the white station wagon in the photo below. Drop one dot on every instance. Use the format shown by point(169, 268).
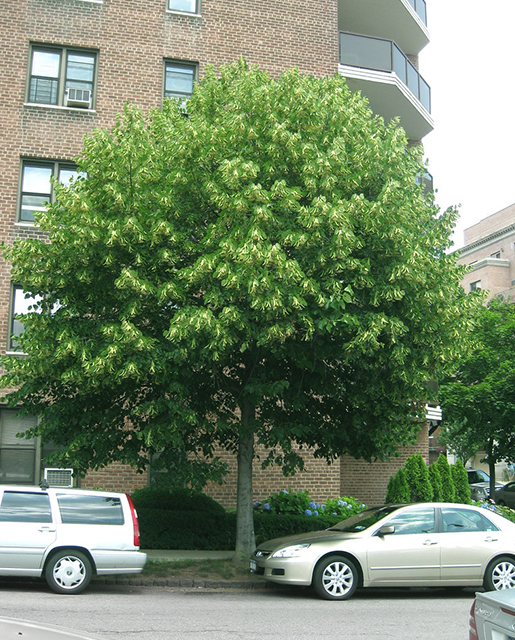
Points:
point(67, 535)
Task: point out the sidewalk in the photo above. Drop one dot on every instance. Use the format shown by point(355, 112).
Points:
point(249, 582)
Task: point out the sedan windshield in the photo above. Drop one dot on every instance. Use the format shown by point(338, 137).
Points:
point(364, 519)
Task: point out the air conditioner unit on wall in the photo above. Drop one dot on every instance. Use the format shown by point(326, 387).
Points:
point(77, 98)
point(59, 477)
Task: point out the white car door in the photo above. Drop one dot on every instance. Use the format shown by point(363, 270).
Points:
point(26, 531)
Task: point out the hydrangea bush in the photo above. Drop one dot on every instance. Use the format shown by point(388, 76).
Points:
point(291, 502)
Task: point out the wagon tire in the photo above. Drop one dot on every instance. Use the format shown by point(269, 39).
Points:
point(68, 571)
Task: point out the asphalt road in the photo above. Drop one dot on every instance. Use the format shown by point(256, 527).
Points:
point(118, 612)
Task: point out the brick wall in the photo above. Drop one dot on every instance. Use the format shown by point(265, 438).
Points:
point(368, 481)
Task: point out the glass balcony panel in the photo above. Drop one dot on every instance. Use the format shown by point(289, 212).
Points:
point(425, 95)
point(413, 77)
point(421, 9)
point(369, 53)
point(399, 64)
point(383, 55)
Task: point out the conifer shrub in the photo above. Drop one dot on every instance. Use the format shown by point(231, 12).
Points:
point(436, 482)
point(448, 492)
point(417, 476)
point(398, 491)
point(461, 483)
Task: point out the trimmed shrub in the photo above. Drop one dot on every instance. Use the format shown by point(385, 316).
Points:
point(175, 499)
point(461, 483)
point(436, 482)
point(417, 476)
point(444, 468)
point(398, 491)
point(166, 529)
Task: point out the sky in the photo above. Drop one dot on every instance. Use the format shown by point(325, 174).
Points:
point(469, 64)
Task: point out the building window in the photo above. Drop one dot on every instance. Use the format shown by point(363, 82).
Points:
point(18, 456)
point(497, 255)
point(179, 80)
point(62, 76)
point(36, 188)
point(475, 285)
point(20, 305)
point(188, 6)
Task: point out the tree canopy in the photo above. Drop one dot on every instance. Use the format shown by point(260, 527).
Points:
point(265, 267)
point(478, 400)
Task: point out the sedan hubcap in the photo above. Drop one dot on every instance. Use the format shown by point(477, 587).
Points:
point(337, 578)
point(503, 576)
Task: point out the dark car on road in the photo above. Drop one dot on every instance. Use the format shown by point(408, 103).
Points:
point(506, 495)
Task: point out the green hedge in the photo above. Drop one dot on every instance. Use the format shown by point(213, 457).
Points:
point(165, 529)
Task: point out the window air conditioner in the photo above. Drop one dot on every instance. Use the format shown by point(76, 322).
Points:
point(77, 98)
point(59, 477)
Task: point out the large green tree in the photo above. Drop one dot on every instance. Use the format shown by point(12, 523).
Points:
point(479, 399)
point(265, 268)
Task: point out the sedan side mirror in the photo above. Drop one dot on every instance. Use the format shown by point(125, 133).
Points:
point(387, 530)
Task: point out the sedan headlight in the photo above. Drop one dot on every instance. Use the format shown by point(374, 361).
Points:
point(290, 552)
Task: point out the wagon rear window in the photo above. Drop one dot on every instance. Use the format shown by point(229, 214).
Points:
point(81, 509)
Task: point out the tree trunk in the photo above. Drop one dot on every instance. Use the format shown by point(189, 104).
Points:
point(245, 539)
point(491, 468)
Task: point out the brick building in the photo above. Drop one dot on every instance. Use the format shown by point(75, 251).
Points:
point(70, 65)
point(489, 251)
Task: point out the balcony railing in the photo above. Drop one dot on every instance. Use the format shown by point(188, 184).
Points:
point(384, 55)
point(420, 8)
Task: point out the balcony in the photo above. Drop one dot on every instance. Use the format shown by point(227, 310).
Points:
point(403, 21)
point(393, 86)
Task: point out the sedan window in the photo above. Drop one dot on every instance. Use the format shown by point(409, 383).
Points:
point(414, 521)
point(465, 520)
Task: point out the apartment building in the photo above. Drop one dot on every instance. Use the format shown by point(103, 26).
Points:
point(70, 65)
point(489, 251)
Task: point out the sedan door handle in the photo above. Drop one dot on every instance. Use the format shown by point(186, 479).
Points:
point(47, 529)
point(490, 539)
point(428, 543)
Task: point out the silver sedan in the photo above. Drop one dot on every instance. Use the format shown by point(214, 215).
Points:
point(425, 544)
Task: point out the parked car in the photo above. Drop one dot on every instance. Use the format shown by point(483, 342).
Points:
point(11, 629)
point(479, 482)
point(67, 535)
point(425, 544)
point(505, 495)
point(492, 616)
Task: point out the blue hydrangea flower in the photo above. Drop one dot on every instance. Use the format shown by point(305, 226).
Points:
point(315, 513)
point(266, 506)
point(308, 512)
point(312, 505)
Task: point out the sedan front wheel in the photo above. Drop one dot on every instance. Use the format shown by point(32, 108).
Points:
point(335, 578)
point(500, 574)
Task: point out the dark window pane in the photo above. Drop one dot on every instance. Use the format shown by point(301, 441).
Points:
point(44, 80)
point(179, 81)
point(80, 70)
point(77, 509)
point(25, 507)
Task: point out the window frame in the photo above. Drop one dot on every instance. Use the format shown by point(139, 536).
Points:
point(11, 346)
point(196, 12)
point(475, 286)
point(179, 64)
point(25, 446)
point(55, 166)
point(62, 75)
